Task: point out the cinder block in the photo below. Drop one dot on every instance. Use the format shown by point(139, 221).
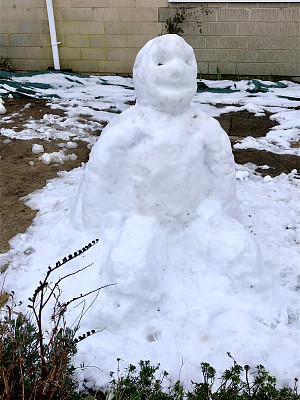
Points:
point(280, 43)
point(289, 69)
point(4, 40)
point(232, 42)
point(217, 28)
point(77, 14)
point(275, 14)
point(126, 28)
point(121, 3)
point(76, 40)
point(119, 67)
point(163, 14)
point(197, 13)
point(233, 14)
point(98, 41)
point(23, 3)
point(45, 39)
point(242, 5)
point(268, 29)
point(107, 14)
point(202, 67)
point(223, 67)
point(84, 65)
point(25, 40)
point(151, 3)
point(4, 51)
point(121, 54)
point(197, 41)
point(127, 66)
point(194, 14)
point(69, 53)
point(91, 27)
point(241, 55)
point(67, 27)
point(92, 54)
point(280, 5)
point(108, 41)
point(139, 14)
point(109, 67)
point(32, 65)
point(57, 13)
point(26, 13)
point(64, 63)
point(9, 27)
point(212, 55)
point(35, 53)
point(8, 13)
point(268, 69)
point(278, 56)
point(137, 41)
point(212, 42)
point(189, 4)
point(81, 3)
point(41, 14)
point(116, 41)
point(33, 27)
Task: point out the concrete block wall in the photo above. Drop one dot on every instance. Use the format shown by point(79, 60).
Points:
point(254, 38)
point(104, 36)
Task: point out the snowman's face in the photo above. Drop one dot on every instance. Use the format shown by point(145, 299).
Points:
point(165, 74)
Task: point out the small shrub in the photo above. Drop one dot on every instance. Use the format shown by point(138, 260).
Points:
point(35, 364)
point(174, 25)
point(6, 65)
point(22, 363)
point(236, 383)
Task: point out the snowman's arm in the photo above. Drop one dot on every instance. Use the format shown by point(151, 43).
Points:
point(220, 162)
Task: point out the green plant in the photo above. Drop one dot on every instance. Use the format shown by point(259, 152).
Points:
point(6, 65)
point(34, 363)
point(219, 74)
point(173, 24)
point(236, 383)
point(143, 383)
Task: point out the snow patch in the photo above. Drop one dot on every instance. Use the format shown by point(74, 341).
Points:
point(2, 108)
point(58, 157)
point(37, 148)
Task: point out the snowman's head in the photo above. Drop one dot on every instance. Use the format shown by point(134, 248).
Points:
point(164, 74)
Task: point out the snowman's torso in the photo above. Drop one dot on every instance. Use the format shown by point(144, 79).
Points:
point(165, 171)
point(157, 164)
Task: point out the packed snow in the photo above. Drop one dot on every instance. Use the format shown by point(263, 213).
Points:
point(37, 148)
point(159, 192)
point(2, 107)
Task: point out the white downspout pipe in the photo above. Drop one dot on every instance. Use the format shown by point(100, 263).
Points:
point(54, 41)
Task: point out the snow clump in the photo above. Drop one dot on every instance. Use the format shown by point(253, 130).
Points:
point(2, 108)
point(71, 145)
point(37, 148)
point(57, 157)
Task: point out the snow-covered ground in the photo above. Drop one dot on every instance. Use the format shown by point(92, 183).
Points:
point(256, 328)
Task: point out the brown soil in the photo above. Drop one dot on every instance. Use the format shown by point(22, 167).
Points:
point(18, 178)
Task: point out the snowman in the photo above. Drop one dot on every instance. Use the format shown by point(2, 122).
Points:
point(159, 186)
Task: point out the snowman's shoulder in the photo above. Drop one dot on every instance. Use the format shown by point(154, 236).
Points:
point(205, 123)
point(123, 127)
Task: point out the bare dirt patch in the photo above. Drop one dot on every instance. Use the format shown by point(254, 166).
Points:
point(17, 177)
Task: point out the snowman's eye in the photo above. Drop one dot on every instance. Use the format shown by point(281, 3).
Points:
point(159, 64)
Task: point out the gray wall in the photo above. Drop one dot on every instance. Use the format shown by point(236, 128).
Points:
point(104, 36)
